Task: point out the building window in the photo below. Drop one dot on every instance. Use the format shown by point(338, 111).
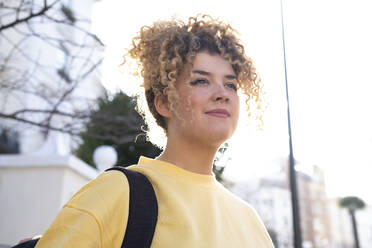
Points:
point(9, 141)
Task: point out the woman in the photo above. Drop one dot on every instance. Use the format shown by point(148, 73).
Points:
point(192, 74)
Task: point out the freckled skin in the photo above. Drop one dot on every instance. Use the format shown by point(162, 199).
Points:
point(210, 87)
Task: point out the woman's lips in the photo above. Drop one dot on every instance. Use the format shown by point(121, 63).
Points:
point(222, 113)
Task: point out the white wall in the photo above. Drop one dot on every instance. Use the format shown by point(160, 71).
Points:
point(34, 189)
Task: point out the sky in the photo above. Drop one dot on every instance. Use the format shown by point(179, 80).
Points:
point(329, 62)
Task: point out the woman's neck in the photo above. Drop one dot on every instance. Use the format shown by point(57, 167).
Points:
point(189, 156)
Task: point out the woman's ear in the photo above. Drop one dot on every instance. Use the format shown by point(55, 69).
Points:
point(161, 105)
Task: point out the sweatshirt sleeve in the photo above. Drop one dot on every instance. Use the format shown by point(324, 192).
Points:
point(263, 237)
point(96, 216)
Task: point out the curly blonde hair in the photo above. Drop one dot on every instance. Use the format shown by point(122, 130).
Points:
point(163, 49)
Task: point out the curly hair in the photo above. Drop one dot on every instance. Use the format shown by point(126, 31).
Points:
point(162, 50)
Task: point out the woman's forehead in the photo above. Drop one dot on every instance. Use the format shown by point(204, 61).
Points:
point(212, 64)
point(206, 64)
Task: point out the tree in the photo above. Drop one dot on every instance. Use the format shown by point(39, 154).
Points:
point(352, 204)
point(274, 236)
point(48, 56)
point(125, 132)
point(219, 164)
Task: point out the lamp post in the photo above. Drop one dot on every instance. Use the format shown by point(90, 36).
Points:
point(292, 171)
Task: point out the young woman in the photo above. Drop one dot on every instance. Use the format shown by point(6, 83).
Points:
point(193, 74)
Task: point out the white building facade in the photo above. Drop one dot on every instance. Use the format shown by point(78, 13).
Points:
point(47, 66)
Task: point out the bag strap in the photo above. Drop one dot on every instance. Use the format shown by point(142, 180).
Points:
point(143, 210)
point(27, 244)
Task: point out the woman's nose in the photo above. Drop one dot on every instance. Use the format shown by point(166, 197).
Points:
point(221, 94)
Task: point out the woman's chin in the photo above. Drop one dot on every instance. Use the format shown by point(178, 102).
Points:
point(216, 137)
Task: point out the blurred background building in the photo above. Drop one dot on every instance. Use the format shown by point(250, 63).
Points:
point(323, 223)
point(49, 71)
point(314, 209)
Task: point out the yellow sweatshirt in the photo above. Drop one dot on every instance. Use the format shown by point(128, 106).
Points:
point(194, 211)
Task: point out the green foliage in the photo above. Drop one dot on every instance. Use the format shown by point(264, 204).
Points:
point(274, 236)
point(352, 203)
point(218, 165)
point(118, 124)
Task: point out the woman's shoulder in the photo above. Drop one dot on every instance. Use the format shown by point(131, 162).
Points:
point(95, 216)
point(246, 214)
point(109, 189)
point(236, 202)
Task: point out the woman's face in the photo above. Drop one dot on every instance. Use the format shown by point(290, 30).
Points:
point(209, 104)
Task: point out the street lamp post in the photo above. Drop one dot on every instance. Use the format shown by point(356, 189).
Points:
point(292, 172)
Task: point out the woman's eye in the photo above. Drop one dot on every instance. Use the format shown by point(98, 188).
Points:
point(199, 81)
point(232, 86)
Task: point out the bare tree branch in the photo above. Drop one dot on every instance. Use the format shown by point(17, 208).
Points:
point(130, 136)
point(41, 69)
point(28, 18)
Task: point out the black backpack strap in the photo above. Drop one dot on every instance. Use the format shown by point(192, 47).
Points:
point(28, 244)
point(143, 210)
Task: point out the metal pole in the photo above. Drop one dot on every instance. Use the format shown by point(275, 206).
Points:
point(292, 172)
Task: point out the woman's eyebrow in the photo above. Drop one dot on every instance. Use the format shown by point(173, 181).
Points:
point(231, 76)
point(205, 73)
